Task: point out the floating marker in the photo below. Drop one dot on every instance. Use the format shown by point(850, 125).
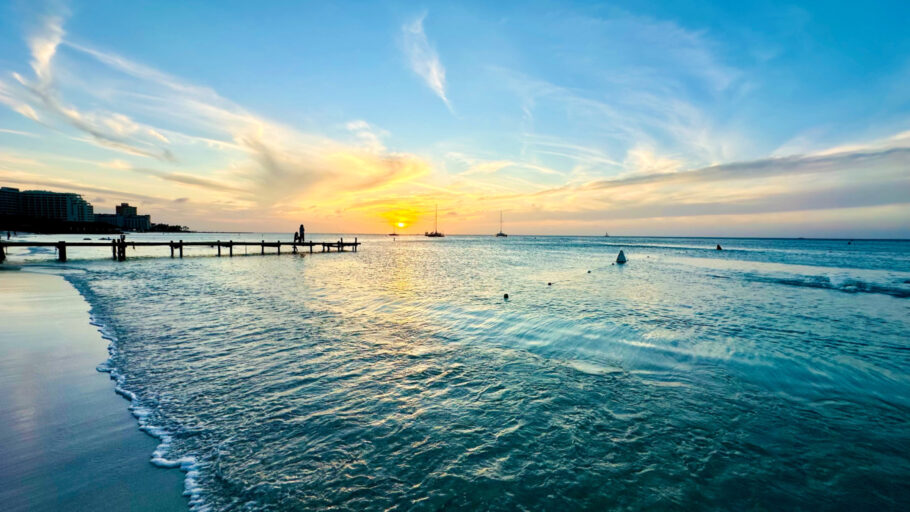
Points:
point(589, 271)
point(621, 258)
point(505, 296)
point(549, 284)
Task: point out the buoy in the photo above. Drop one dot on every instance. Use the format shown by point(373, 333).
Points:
point(505, 296)
point(589, 271)
point(621, 258)
point(719, 248)
point(549, 284)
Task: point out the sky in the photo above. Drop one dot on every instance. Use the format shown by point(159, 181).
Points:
point(633, 118)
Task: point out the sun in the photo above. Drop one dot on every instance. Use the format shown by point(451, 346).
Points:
point(401, 224)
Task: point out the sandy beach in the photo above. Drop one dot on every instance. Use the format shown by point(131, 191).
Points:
point(68, 440)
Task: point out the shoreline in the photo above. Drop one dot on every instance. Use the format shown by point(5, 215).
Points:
point(68, 439)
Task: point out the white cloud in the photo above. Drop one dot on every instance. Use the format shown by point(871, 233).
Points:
point(369, 136)
point(133, 109)
point(18, 132)
point(43, 44)
point(423, 58)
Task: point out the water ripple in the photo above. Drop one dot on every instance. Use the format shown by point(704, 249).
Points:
point(397, 378)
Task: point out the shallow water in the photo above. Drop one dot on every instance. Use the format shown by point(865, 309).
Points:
point(772, 374)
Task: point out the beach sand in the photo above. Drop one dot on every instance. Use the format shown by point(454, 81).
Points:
point(68, 441)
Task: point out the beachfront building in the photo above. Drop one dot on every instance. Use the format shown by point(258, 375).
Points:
point(125, 210)
point(9, 201)
point(126, 217)
point(64, 206)
point(42, 204)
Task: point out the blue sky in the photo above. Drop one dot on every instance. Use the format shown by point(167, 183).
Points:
point(633, 117)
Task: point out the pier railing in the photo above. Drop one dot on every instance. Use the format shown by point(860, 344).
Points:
point(118, 246)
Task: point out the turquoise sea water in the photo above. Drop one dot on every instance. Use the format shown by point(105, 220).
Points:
point(774, 374)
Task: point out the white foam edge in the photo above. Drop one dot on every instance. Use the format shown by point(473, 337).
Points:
point(188, 465)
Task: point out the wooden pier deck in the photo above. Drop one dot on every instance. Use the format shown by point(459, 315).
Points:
point(118, 246)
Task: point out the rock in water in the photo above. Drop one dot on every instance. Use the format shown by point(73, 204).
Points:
point(621, 258)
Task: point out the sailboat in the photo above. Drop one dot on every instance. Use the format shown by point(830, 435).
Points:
point(500, 225)
point(394, 232)
point(435, 233)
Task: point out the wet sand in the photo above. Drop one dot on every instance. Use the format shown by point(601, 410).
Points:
point(67, 441)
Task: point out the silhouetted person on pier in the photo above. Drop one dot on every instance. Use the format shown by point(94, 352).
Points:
point(302, 233)
point(7, 235)
point(296, 237)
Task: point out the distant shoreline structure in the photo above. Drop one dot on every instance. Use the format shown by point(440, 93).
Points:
point(48, 212)
point(612, 238)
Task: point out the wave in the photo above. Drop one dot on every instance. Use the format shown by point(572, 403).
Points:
point(188, 465)
point(825, 283)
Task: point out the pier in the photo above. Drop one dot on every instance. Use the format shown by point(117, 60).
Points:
point(118, 246)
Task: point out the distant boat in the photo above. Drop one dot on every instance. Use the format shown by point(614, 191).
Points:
point(435, 233)
point(393, 233)
point(607, 235)
point(500, 225)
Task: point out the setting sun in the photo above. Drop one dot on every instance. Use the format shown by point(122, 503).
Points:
point(401, 224)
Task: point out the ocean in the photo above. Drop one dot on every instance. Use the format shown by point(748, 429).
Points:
point(774, 374)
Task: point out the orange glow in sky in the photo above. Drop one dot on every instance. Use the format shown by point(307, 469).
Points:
point(465, 133)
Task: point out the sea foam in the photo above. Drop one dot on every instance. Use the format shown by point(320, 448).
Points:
point(188, 464)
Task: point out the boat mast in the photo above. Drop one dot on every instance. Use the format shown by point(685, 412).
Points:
point(436, 222)
point(500, 221)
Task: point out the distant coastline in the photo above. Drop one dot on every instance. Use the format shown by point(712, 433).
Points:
point(55, 226)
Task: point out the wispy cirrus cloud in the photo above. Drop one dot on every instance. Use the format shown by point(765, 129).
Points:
point(423, 58)
point(40, 93)
point(263, 163)
point(18, 132)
